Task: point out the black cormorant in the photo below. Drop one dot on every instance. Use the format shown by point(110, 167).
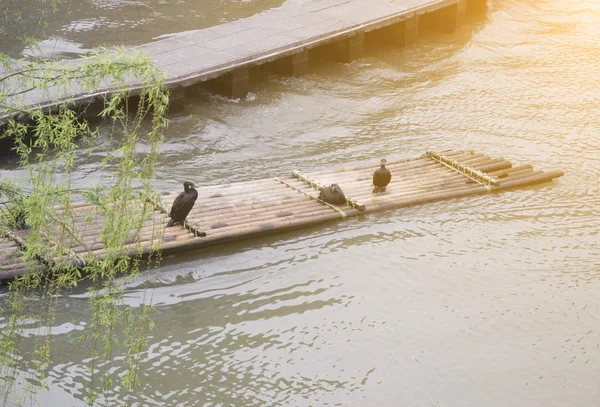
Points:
point(183, 204)
point(381, 177)
point(332, 195)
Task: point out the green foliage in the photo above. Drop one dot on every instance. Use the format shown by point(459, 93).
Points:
point(14, 23)
point(46, 145)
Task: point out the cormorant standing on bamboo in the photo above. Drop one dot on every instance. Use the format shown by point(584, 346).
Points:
point(381, 177)
point(332, 195)
point(183, 204)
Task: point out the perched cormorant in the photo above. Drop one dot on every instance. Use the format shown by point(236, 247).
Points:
point(332, 195)
point(183, 204)
point(381, 177)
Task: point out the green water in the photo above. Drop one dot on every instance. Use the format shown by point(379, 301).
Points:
point(482, 301)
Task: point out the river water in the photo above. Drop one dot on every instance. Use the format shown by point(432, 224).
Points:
point(482, 301)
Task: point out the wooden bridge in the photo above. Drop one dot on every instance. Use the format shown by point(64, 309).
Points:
point(224, 57)
point(225, 213)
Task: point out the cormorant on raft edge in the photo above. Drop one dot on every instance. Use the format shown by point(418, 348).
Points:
point(381, 177)
point(332, 195)
point(183, 204)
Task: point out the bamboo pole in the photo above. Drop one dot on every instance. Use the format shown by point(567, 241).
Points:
point(282, 198)
point(365, 191)
point(503, 173)
point(12, 266)
point(249, 230)
point(143, 238)
point(256, 208)
point(144, 247)
point(310, 212)
point(270, 217)
point(13, 272)
point(275, 200)
point(278, 225)
point(94, 230)
point(365, 194)
point(252, 185)
point(418, 174)
point(531, 180)
point(367, 181)
point(464, 168)
point(272, 225)
point(429, 196)
point(272, 210)
point(441, 176)
point(91, 240)
point(261, 211)
point(82, 245)
point(22, 245)
point(392, 193)
point(248, 187)
point(273, 188)
point(204, 215)
point(402, 195)
point(252, 190)
point(394, 160)
point(402, 183)
point(7, 245)
point(517, 177)
point(427, 164)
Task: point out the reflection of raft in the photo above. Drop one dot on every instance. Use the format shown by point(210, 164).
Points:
point(254, 208)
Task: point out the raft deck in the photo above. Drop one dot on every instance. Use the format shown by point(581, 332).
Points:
point(244, 210)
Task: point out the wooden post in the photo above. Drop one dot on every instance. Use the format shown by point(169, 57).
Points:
point(463, 9)
point(445, 20)
point(476, 8)
point(401, 34)
point(351, 48)
point(92, 109)
point(411, 31)
point(234, 84)
point(176, 98)
point(294, 65)
point(259, 73)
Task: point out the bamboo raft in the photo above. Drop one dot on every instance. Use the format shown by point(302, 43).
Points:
point(226, 213)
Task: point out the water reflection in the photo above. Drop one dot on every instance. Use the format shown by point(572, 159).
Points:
point(79, 26)
point(207, 329)
point(479, 301)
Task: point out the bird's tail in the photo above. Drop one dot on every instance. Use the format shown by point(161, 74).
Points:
point(171, 223)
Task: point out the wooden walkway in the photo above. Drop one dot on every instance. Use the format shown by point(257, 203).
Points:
point(250, 209)
point(279, 40)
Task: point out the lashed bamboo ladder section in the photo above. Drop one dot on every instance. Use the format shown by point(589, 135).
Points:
point(254, 208)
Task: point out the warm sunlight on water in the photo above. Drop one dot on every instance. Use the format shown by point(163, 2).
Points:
point(485, 301)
